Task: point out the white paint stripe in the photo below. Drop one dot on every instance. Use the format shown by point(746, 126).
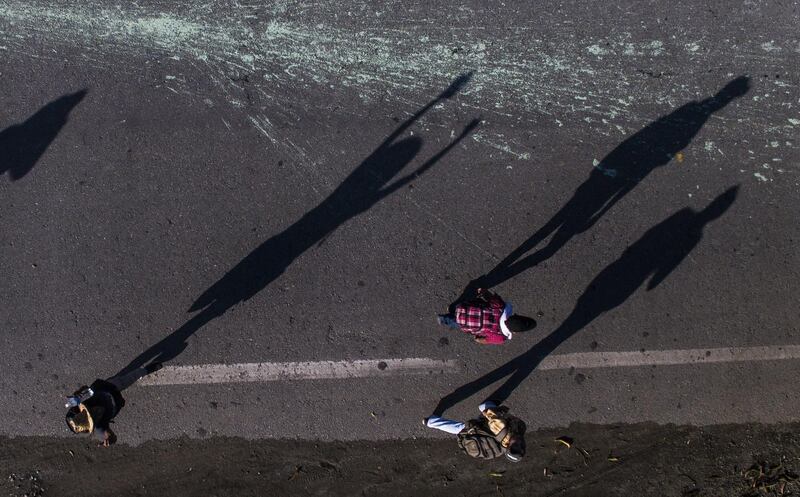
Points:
point(331, 370)
point(588, 360)
point(275, 371)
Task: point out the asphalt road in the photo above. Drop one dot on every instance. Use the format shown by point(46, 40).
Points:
point(294, 182)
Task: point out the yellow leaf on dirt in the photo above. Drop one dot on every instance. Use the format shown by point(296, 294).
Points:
point(564, 440)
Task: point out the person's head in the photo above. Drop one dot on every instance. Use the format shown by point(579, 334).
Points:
point(79, 420)
point(518, 324)
point(516, 449)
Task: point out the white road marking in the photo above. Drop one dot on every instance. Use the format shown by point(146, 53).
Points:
point(587, 360)
point(335, 370)
point(276, 371)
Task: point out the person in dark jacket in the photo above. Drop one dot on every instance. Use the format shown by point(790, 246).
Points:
point(99, 403)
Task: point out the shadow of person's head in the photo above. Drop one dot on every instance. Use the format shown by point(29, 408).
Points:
point(718, 207)
point(734, 89)
point(22, 145)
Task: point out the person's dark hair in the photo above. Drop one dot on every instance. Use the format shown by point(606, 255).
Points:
point(518, 324)
point(516, 446)
point(516, 449)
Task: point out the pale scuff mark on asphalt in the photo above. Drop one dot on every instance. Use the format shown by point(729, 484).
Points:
point(253, 52)
point(503, 147)
point(261, 123)
point(533, 75)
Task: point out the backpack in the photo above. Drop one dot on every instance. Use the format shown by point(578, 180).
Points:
point(479, 443)
point(479, 313)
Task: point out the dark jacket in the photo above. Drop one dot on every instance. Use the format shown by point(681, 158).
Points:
point(104, 405)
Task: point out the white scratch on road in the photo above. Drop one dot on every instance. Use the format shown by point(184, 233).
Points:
point(478, 137)
point(261, 125)
point(269, 59)
point(760, 177)
point(444, 223)
point(587, 360)
point(290, 371)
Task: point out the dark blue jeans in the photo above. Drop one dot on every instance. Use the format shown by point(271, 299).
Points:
point(448, 320)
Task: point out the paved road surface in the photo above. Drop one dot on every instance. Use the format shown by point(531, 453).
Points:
point(229, 183)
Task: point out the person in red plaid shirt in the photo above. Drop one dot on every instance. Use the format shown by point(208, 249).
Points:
point(488, 318)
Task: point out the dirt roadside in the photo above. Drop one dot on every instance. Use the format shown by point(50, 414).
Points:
point(602, 460)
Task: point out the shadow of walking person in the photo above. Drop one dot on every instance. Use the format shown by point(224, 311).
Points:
point(362, 189)
point(613, 178)
point(22, 145)
point(655, 255)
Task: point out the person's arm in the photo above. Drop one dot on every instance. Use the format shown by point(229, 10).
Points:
point(496, 302)
point(102, 430)
point(484, 294)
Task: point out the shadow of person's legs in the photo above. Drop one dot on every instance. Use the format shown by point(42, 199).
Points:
point(619, 172)
point(361, 190)
point(654, 256)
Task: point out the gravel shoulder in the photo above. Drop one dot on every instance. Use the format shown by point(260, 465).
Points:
point(644, 459)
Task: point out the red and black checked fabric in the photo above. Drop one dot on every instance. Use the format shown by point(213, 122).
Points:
point(481, 316)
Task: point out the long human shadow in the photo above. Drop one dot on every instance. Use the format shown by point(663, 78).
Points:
point(655, 255)
point(22, 145)
point(363, 188)
point(614, 177)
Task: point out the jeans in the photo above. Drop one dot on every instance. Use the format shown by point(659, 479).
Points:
point(454, 427)
point(449, 320)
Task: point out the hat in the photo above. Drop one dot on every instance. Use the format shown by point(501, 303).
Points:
point(517, 324)
point(79, 419)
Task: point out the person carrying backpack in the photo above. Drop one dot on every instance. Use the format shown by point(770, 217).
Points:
point(487, 317)
point(496, 433)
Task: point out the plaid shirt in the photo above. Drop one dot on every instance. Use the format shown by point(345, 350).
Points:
point(481, 317)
